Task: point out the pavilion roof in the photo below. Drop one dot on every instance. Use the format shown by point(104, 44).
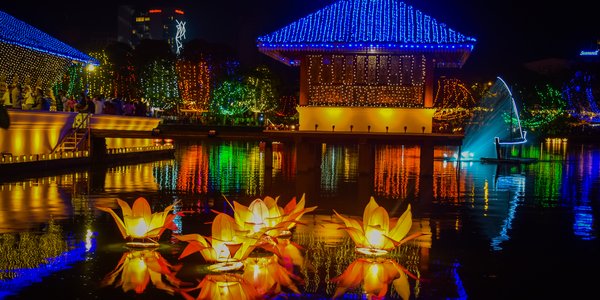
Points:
point(16, 32)
point(366, 25)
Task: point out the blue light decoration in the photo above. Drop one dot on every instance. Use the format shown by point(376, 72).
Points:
point(16, 32)
point(366, 25)
point(27, 276)
point(579, 94)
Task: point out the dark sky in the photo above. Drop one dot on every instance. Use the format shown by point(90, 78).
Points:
point(509, 32)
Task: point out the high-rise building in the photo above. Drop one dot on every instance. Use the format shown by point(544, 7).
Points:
point(155, 23)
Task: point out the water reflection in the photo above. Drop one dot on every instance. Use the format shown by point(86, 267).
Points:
point(374, 275)
point(137, 268)
point(475, 214)
point(24, 204)
point(28, 257)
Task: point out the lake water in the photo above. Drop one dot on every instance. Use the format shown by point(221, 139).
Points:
point(491, 232)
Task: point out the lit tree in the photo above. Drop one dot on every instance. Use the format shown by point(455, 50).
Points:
point(261, 93)
point(100, 79)
point(230, 99)
point(194, 83)
point(158, 83)
point(125, 81)
point(549, 107)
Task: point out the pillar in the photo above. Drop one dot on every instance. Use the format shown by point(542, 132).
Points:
point(97, 149)
point(366, 158)
point(426, 160)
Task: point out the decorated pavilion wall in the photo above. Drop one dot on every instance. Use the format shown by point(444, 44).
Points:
point(25, 66)
point(366, 80)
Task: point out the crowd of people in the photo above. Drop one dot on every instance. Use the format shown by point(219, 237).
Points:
point(99, 104)
point(25, 97)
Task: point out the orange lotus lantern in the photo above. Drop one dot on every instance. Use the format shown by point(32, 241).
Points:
point(266, 217)
point(226, 247)
point(137, 268)
point(376, 233)
point(268, 276)
point(139, 226)
point(374, 275)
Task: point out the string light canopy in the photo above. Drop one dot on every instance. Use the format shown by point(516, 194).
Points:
point(29, 53)
point(371, 26)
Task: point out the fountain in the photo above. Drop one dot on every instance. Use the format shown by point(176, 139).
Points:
point(495, 128)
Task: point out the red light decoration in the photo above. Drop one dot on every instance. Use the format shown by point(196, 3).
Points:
point(178, 11)
point(155, 11)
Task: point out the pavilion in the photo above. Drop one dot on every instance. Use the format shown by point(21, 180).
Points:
point(367, 65)
point(31, 56)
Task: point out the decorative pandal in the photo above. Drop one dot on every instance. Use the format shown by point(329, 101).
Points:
point(139, 226)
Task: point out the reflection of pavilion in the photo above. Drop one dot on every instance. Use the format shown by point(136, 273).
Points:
point(367, 66)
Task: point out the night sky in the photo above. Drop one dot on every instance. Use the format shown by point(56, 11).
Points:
point(509, 33)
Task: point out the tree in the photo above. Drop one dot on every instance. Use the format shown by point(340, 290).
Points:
point(261, 93)
point(230, 99)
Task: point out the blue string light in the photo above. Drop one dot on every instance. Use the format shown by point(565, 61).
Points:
point(16, 32)
point(362, 25)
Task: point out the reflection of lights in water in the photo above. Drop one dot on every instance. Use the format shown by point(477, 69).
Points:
point(584, 221)
point(397, 171)
point(515, 186)
point(89, 241)
point(37, 257)
point(460, 288)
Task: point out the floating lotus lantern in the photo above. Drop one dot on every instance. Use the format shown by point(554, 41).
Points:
point(139, 226)
point(375, 275)
point(266, 217)
point(227, 247)
point(268, 276)
point(138, 267)
point(376, 233)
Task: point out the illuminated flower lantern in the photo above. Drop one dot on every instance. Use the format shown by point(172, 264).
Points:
point(138, 267)
point(139, 226)
point(268, 276)
point(375, 275)
point(266, 217)
point(376, 233)
point(227, 247)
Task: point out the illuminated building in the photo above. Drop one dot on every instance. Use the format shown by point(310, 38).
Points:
point(367, 65)
point(156, 23)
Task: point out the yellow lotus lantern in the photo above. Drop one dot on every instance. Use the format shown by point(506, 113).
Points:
point(265, 216)
point(268, 276)
point(374, 275)
point(376, 233)
point(226, 247)
point(137, 268)
point(225, 286)
point(139, 226)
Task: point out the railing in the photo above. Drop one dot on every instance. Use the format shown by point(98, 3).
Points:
point(10, 159)
point(82, 121)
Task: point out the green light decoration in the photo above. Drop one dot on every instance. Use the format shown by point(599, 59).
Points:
point(261, 92)
point(230, 98)
point(550, 107)
point(100, 79)
point(158, 83)
point(71, 82)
